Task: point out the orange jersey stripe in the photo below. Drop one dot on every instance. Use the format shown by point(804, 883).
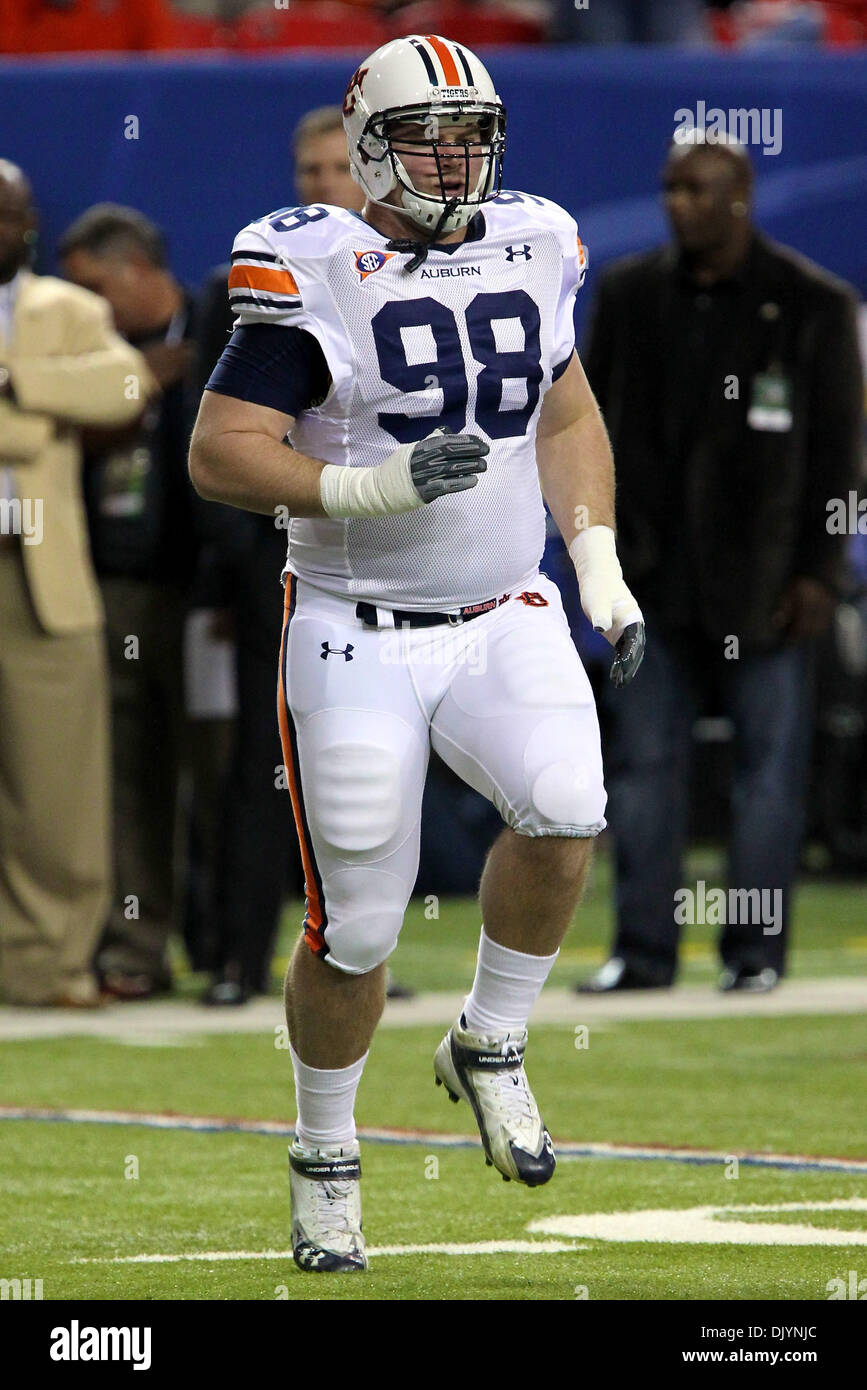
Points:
point(314, 906)
point(450, 67)
point(253, 277)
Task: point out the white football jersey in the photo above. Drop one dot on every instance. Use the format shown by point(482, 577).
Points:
point(469, 340)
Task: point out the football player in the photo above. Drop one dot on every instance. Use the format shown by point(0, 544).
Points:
point(421, 357)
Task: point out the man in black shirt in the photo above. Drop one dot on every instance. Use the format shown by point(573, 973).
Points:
point(728, 373)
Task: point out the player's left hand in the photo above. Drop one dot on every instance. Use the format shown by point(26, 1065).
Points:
point(606, 600)
point(630, 654)
point(622, 624)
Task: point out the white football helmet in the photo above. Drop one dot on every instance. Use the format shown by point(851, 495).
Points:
point(432, 83)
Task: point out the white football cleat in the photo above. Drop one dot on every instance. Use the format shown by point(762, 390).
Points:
point(488, 1072)
point(326, 1208)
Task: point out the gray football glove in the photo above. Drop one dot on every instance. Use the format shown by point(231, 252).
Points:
point(447, 462)
point(630, 653)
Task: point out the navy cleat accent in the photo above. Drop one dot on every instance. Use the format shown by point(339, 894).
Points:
point(488, 1073)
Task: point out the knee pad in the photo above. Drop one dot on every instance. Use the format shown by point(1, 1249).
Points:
point(365, 915)
point(563, 771)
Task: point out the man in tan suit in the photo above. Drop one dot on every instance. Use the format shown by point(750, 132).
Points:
point(62, 367)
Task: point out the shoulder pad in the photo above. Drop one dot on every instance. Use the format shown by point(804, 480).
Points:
point(531, 207)
point(524, 212)
point(276, 257)
point(305, 232)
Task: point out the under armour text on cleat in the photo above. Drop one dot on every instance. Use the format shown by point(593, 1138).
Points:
point(326, 1209)
point(488, 1073)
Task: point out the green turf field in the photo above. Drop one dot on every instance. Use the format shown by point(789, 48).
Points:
point(70, 1201)
point(79, 1200)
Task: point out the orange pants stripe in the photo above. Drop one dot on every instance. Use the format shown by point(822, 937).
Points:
point(315, 918)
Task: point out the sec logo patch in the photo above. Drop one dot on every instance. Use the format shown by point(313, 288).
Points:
point(369, 262)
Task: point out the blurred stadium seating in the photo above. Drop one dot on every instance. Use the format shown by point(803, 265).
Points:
point(835, 23)
point(472, 24)
point(322, 25)
point(257, 26)
point(193, 32)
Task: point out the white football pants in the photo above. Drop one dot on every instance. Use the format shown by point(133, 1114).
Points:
point(502, 698)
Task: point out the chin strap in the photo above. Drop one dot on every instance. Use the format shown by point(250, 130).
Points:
point(419, 249)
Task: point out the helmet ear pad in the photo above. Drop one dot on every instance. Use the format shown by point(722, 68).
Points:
point(368, 154)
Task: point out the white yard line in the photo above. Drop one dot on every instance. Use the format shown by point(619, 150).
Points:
point(706, 1225)
point(168, 1022)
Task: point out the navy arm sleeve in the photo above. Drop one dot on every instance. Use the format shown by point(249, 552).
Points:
point(269, 364)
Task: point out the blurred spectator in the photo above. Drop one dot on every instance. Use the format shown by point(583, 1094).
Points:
point(321, 161)
point(728, 372)
point(838, 786)
point(76, 26)
point(62, 366)
point(630, 21)
point(141, 511)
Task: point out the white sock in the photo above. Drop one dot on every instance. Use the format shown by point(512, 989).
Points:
point(325, 1100)
point(506, 987)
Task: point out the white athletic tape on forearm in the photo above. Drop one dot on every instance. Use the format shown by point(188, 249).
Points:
point(386, 489)
point(604, 596)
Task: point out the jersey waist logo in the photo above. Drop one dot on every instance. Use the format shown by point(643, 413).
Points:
point(369, 262)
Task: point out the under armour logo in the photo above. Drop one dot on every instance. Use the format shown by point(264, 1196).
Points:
point(334, 651)
point(512, 252)
point(532, 600)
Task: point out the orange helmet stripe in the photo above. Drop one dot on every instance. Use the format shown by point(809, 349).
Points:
point(450, 68)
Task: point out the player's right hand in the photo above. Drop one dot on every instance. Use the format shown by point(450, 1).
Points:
point(445, 462)
point(413, 475)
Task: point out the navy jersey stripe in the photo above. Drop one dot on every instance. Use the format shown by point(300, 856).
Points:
point(265, 301)
point(254, 256)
